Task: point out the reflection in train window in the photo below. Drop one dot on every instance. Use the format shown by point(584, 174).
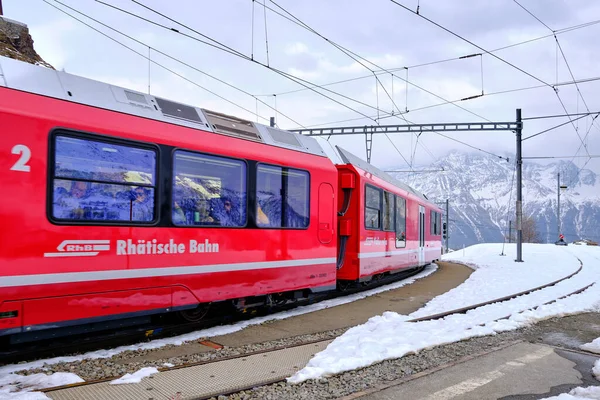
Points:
point(82, 159)
point(372, 208)
point(400, 222)
point(102, 181)
point(208, 190)
point(436, 226)
point(92, 201)
point(282, 196)
point(388, 211)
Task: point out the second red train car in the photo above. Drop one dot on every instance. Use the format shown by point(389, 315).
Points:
point(119, 205)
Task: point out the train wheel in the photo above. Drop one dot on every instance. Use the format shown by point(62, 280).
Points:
point(197, 314)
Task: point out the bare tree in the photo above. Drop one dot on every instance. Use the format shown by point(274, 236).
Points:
point(530, 233)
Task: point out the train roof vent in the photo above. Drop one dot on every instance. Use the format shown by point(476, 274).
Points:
point(177, 110)
point(232, 126)
point(284, 137)
point(136, 97)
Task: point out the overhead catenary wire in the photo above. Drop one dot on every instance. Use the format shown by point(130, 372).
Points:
point(499, 58)
point(550, 157)
point(291, 77)
point(219, 46)
point(145, 56)
point(559, 47)
point(165, 55)
point(570, 121)
point(557, 32)
point(530, 13)
point(356, 56)
point(560, 115)
point(252, 35)
point(585, 80)
point(266, 33)
point(493, 55)
point(471, 43)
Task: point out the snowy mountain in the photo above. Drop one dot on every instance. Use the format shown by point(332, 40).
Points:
point(482, 188)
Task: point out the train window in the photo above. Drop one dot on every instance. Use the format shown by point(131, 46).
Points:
point(372, 208)
point(101, 181)
point(388, 211)
point(435, 223)
point(208, 190)
point(400, 222)
point(282, 197)
point(90, 160)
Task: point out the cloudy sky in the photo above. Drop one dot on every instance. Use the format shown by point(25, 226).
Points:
point(388, 36)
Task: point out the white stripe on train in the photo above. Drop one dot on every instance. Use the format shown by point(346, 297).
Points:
point(395, 252)
point(72, 277)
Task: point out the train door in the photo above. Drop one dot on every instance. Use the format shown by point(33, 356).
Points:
point(421, 235)
point(326, 213)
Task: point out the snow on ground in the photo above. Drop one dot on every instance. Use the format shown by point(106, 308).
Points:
point(391, 336)
point(136, 377)
point(7, 371)
point(593, 347)
point(596, 369)
point(496, 276)
point(20, 387)
point(579, 393)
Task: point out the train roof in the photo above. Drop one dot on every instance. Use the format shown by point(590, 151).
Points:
point(61, 85)
point(350, 158)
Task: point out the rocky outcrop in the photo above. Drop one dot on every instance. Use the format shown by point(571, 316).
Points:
point(17, 43)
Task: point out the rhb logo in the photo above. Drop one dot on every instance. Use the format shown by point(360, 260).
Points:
point(80, 248)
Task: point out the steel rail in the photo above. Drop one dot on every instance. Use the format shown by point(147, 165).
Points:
point(461, 310)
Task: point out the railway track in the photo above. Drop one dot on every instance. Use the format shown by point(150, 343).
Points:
point(461, 310)
point(172, 326)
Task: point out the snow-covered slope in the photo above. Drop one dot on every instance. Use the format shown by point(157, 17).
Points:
point(479, 189)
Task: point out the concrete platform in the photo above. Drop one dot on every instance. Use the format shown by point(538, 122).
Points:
point(521, 371)
point(201, 381)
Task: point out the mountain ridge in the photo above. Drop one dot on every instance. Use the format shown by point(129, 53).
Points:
point(482, 194)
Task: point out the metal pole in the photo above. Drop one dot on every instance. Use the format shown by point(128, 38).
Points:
point(558, 206)
point(1, 13)
point(272, 122)
point(519, 132)
point(510, 231)
point(447, 226)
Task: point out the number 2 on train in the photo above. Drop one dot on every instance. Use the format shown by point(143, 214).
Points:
point(25, 155)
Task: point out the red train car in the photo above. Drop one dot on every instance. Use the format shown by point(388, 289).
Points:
point(120, 205)
point(386, 226)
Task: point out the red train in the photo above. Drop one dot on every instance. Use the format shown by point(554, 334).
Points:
point(119, 205)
